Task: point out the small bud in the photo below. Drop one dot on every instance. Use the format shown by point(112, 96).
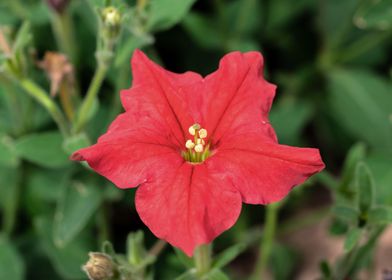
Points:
point(189, 144)
point(111, 17)
point(203, 133)
point(199, 148)
point(58, 5)
point(99, 267)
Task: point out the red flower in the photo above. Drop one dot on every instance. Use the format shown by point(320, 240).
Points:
point(198, 147)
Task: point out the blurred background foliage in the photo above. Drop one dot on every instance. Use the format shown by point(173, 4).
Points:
point(331, 60)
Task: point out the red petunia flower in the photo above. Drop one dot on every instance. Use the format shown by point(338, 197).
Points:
point(197, 148)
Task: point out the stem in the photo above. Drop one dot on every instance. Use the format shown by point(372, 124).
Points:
point(266, 241)
point(157, 248)
point(43, 98)
point(91, 95)
point(62, 28)
point(202, 259)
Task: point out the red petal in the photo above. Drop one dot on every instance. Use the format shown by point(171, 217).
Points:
point(134, 149)
point(188, 206)
point(157, 91)
point(265, 172)
point(239, 98)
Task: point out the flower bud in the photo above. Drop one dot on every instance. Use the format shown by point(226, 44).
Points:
point(99, 267)
point(58, 5)
point(111, 19)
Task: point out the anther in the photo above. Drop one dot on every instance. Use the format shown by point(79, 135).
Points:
point(203, 133)
point(200, 141)
point(189, 144)
point(199, 148)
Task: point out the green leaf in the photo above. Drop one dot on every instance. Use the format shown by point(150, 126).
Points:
point(348, 214)
point(184, 259)
point(362, 103)
point(188, 275)
point(335, 20)
point(135, 247)
point(8, 156)
point(355, 154)
point(66, 260)
point(381, 167)
point(74, 210)
point(352, 239)
point(44, 149)
point(163, 14)
point(203, 30)
point(283, 262)
point(11, 263)
point(325, 269)
point(288, 128)
point(228, 255)
point(23, 37)
point(365, 186)
point(76, 142)
point(215, 274)
point(380, 215)
point(374, 14)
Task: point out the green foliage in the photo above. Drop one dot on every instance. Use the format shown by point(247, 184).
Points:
point(12, 266)
point(44, 149)
point(330, 60)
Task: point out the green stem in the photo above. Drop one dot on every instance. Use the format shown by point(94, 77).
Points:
point(62, 28)
point(43, 98)
point(202, 259)
point(91, 95)
point(266, 241)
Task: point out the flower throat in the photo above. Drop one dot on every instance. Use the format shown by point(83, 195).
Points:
point(197, 149)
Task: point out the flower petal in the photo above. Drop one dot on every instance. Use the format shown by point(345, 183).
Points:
point(239, 97)
point(160, 92)
point(188, 206)
point(265, 172)
point(133, 151)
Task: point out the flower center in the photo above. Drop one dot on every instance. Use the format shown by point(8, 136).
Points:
point(197, 148)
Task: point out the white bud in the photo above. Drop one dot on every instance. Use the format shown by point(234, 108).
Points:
point(189, 144)
point(203, 133)
point(199, 148)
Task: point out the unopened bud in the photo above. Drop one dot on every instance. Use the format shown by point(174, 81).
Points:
point(58, 5)
point(199, 148)
point(99, 267)
point(189, 144)
point(203, 133)
point(111, 17)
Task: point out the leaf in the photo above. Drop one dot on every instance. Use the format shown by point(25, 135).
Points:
point(184, 259)
point(374, 14)
point(74, 210)
point(288, 128)
point(76, 142)
point(203, 30)
point(228, 255)
point(348, 214)
point(215, 274)
point(352, 239)
point(188, 275)
point(362, 103)
point(44, 149)
point(283, 262)
point(163, 14)
point(380, 215)
point(23, 37)
point(336, 19)
point(66, 260)
point(365, 186)
point(354, 155)
point(381, 167)
point(11, 263)
point(8, 156)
